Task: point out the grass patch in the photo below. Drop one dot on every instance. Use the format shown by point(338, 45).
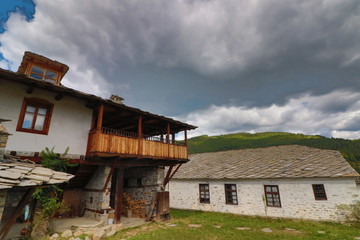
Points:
point(281, 228)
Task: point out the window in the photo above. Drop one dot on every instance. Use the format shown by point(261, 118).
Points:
point(319, 192)
point(35, 116)
point(272, 196)
point(204, 193)
point(43, 74)
point(231, 194)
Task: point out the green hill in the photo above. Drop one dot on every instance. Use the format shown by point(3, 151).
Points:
point(350, 149)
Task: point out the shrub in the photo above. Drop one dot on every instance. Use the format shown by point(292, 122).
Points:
point(351, 211)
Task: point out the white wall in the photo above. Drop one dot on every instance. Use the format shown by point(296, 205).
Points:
point(297, 197)
point(69, 125)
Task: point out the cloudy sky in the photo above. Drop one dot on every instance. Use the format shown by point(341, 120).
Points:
point(225, 66)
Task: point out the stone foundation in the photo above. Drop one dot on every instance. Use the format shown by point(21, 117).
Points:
point(3, 140)
point(97, 202)
point(141, 183)
point(4, 135)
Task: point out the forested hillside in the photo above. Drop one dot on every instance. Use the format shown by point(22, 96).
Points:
point(350, 149)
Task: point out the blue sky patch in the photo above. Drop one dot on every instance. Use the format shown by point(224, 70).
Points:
point(25, 7)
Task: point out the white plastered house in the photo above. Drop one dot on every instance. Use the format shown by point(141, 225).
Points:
point(285, 181)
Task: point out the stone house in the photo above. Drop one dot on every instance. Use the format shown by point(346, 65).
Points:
point(120, 150)
point(284, 181)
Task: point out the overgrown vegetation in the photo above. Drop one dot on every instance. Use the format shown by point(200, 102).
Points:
point(224, 226)
point(350, 149)
point(351, 211)
point(54, 161)
point(48, 199)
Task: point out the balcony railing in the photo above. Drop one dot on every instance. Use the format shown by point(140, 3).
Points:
point(109, 141)
point(121, 133)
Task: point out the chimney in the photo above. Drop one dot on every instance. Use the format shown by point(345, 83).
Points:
point(116, 99)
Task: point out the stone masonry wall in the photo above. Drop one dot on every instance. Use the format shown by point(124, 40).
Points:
point(296, 196)
point(4, 135)
point(141, 183)
point(3, 140)
point(97, 203)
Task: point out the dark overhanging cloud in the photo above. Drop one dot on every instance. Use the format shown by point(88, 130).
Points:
point(178, 57)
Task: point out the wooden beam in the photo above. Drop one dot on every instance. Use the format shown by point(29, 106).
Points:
point(30, 89)
point(10, 222)
point(100, 117)
point(118, 194)
point(59, 96)
point(167, 176)
point(90, 104)
point(171, 176)
point(109, 176)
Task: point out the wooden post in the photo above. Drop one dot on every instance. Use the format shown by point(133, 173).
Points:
point(140, 135)
point(168, 133)
point(168, 139)
point(100, 117)
point(10, 222)
point(173, 138)
point(185, 136)
point(118, 194)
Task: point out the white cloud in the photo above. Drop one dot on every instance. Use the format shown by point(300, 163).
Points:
point(305, 113)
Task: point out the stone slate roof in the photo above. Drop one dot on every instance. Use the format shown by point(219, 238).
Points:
point(289, 161)
point(15, 172)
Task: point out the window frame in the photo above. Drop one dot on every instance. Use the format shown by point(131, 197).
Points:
point(204, 191)
point(272, 193)
point(230, 190)
point(29, 72)
point(319, 198)
point(35, 102)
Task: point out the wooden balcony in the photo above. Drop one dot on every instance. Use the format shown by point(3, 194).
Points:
point(112, 142)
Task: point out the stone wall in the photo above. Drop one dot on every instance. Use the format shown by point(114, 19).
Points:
point(97, 203)
point(4, 135)
point(296, 195)
point(141, 183)
point(3, 140)
point(13, 198)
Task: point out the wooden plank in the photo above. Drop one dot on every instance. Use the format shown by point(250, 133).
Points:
point(114, 144)
point(118, 194)
point(10, 222)
point(152, 207)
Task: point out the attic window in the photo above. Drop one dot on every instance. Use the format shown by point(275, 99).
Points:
point(43, 74)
